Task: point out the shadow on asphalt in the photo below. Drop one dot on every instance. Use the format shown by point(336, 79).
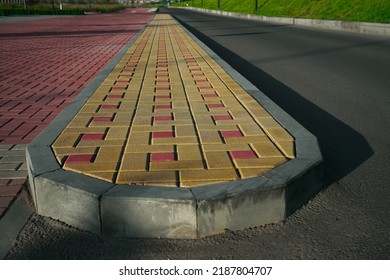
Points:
point(343, 148)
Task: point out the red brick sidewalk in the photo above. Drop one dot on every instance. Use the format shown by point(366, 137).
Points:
point(44, 64)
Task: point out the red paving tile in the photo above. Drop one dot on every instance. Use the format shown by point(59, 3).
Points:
point(11, 190)
point(222, 118)
point(217, 105)
point(163, 118)
point(163, 134)
point(74, 159)
point(5, 201)
point(162, 106)
point(231, 133)
point(109, 106)
point(209, 95)
point(44, 64)
point(92, 137)
point(161, 157)
point(160, 96)
point(243, 154)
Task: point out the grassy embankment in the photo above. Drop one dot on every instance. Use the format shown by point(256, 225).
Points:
point(347, 10)
point(104, 6)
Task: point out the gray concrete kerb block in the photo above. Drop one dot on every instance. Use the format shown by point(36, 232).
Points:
point(139, 211)
point(14, 220)
point(151, 211)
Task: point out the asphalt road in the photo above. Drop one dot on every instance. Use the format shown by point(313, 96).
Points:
point(335, 84)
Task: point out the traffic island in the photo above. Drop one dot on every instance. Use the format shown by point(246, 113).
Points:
point(169, 141)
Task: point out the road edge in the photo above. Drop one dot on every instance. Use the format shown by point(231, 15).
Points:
point(378, 29)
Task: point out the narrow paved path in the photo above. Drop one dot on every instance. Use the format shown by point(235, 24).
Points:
point(169, 115)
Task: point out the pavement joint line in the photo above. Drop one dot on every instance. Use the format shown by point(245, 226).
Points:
point(166, 194)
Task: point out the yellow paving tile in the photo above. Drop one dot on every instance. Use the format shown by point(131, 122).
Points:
point(269, 122)
point(270, 162)
point(152, 128)
point(267, 149)
point(149, 148)
point(175, 140)
point(167, 83)
point(189, 152)
point(252, 172)
point(205, 175)
point(96, 166)
point(139, 138)
point(204, 120)
point(70, 141)
point(107, 143)
point(135, 162)
point(80, 122)
point(61, 151)
point(218, 160)
point(117, 133)
point(185, 131)
point(279, 134)
point(142, 120)
point(133, 177)
point(208, 137)
point(109, 154)
point(90, 108)
point(226, 147)
point(288, 148)
point(246, 139)
point(124, 117)
point(78, 130)
point(177, 165)
point(192, 184)
point(214, 127)
point(251, 129)
point(107, 176)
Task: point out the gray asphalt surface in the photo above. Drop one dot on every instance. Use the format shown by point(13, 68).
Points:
point(335, 84)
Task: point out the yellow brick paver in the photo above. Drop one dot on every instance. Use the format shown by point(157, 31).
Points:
point(169, 115)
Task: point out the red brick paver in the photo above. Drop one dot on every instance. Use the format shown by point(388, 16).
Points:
point(44, 64)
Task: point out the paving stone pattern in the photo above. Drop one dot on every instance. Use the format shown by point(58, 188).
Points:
point(169, 115)
point(44, 64)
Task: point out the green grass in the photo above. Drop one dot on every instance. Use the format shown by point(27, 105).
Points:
point(67, 9)
point(347, 10)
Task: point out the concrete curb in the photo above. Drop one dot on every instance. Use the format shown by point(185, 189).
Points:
point(140, 211)
point(14, 220)
point(348, 26)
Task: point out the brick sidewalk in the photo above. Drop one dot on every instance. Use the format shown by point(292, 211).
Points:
point(44, 64)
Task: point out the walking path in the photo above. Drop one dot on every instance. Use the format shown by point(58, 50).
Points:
point(168, 114)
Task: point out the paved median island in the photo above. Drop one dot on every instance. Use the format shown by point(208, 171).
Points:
point(169, 141)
